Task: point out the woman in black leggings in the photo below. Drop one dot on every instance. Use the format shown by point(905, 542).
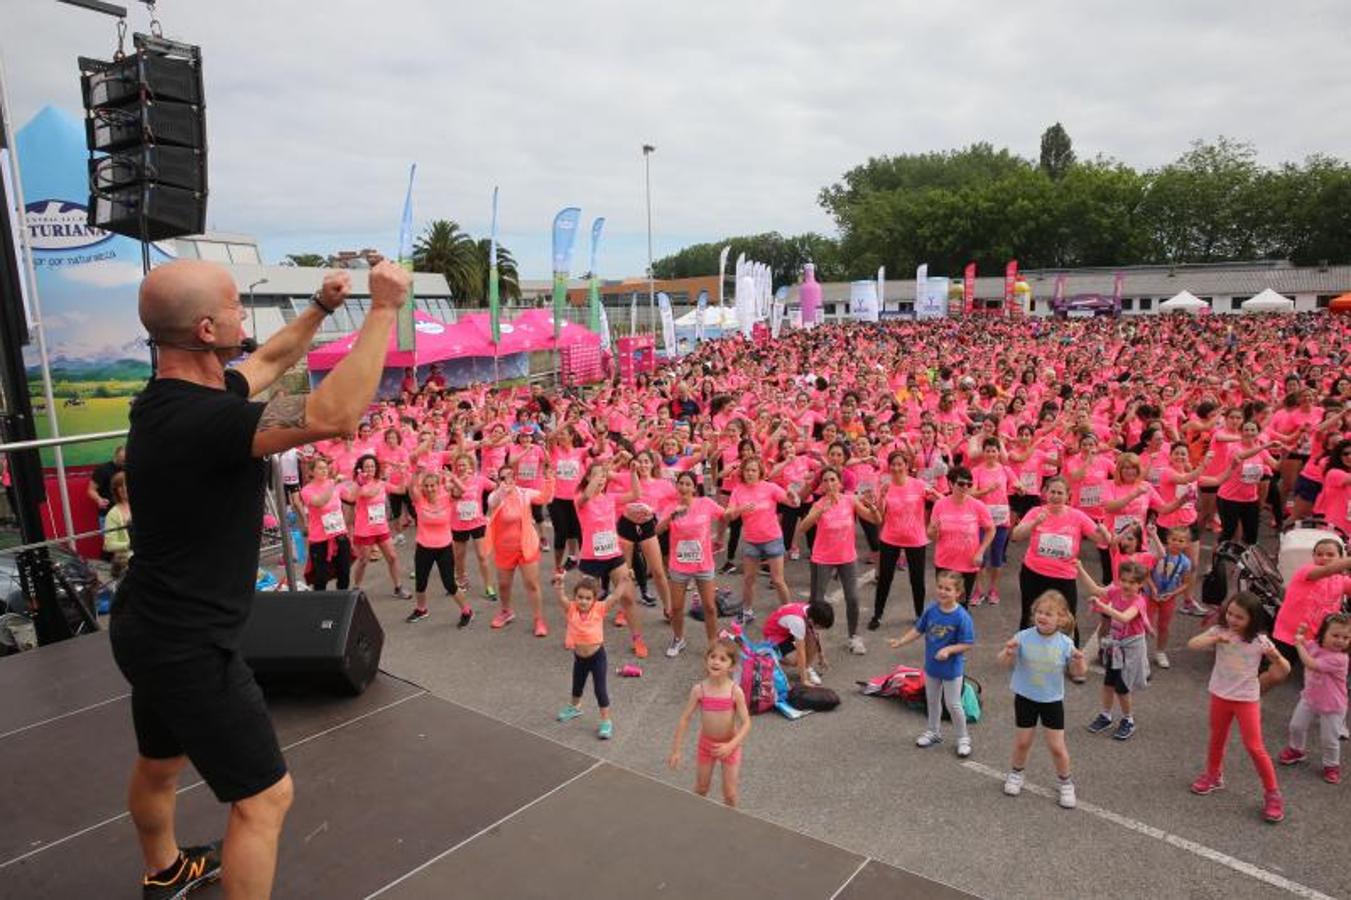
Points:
point(901, 503)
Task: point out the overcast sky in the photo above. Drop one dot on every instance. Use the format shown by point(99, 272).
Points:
point(316, 109)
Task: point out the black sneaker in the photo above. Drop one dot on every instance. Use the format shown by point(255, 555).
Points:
point(196, 866)
point(417, 615)
point(728, 568)
point(647, 599)
point(874, 624)
point(1100, 723)
point(1124, 730)
point(466, 616)
point(569, 564)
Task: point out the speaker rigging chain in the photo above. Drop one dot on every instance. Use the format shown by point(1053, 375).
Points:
point(121, 53)
point(155, 28)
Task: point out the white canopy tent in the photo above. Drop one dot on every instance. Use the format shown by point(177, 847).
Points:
point(1183, 302)
point(717, 319)
point(1268, 301)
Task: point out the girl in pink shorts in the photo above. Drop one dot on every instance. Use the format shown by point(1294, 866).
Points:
point(724, 722)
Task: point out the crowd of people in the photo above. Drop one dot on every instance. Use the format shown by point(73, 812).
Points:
point(921, 449)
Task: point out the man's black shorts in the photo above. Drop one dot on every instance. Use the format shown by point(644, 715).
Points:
point(1027, 712)
point(202, 702)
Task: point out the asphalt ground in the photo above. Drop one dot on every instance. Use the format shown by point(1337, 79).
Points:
point(855, 778)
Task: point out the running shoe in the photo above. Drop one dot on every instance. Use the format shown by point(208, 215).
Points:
point(399, 540)
point(606, 730)
point(964, 747)
point(812, 678)
point(874, 624)
point(1207, 784)
point(1124, 730)
point(503, 618)
point(795, 554)
point(1067, 799)
point(675, 649)
point(992, 598)
point(1013, 784)
point(1273, 807)
point(570, 563)
point(621, 619)
point(196, 867)
point(728, 568)
point(568, 713)
point(466, 616)
point(977, 599)
point(928, 739)
point(1161, 660)
point(1290, 756)
point(1101, 722)
point(1332, 774)
point(541, 628)
point(490, 593)
point(745, 616)
point(639, 647)
point(645, 597)
point(856, 646)
point(417, 615)
point(402, 593)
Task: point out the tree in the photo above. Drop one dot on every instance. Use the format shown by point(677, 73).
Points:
point(308, 260)
point(785, 256)
point(445, 249)
point(1057, 152)
point(508, 282)
point(1206, 205)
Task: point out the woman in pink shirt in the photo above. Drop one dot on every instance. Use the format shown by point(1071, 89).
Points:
point(900, 503)
point(834, 552)
point(370, 522)
point(646, 500)
point(1054, 532)
point(515, 544)
point(793, 472)
point(1246, 475)
point(689, 526)
point(601, 556)
point(1088, 473)
point(1334, 501)
point(435, 514)
point(1179, 489)
point(468, 489)
point(962, 529)
point(394, 463)
point(568, 456)
point(1128, 497)
point(330, 550)
point(755, 503)
point(994, 483)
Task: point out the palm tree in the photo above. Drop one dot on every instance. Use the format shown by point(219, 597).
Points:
point(445, 249)
point(508, 283)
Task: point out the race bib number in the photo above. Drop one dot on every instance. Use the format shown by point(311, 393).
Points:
point(690, 553)
point(1123, 523)
point(1305, 447)
point(928, 476)
point(568, 470)
point(333, 523)
point(1185, 492)
point(375, 514)
point(604, 543)
point(1000, 514)
point(1090, 495)
point(1055, 546)
point(1028, 481)
point(1153, 476)
point(1251, 473)
point(466, 510)
point(528, 471)
point(867, 487)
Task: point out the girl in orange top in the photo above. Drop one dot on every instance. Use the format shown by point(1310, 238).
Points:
point(584, 613)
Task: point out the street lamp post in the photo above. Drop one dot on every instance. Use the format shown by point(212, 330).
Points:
point(253, 307)
point(648, 150)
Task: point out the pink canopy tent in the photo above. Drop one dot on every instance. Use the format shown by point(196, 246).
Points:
point(436, 341)
point(538, 324)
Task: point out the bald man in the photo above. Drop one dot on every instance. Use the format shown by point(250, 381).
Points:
point(196, 478)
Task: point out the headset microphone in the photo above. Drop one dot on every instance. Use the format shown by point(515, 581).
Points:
point(245, 345)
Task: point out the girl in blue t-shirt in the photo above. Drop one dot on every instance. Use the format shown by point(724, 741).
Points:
point(1038, 656)
point(948, 633)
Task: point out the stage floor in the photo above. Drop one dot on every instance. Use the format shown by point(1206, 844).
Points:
point(399, 793)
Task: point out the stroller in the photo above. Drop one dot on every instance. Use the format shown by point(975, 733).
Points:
point(1253, 570)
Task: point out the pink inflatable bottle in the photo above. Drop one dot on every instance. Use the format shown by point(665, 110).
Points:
point(809, 296)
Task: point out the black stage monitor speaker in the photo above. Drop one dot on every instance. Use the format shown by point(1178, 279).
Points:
point(329, 640)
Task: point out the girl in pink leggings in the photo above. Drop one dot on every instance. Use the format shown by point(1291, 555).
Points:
point(724, 722)
point(1236, 692)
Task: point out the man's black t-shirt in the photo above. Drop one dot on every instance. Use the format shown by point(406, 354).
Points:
point(197, 494)
point(103, 479)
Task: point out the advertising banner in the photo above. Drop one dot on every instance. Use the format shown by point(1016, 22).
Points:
point(667, 323)
point(494, 310)
point(564, 233)
point(1010, 283)
point(87, 280)
point(863, 301)
point(593, 294)
point(969, 289)
point(407, 333)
